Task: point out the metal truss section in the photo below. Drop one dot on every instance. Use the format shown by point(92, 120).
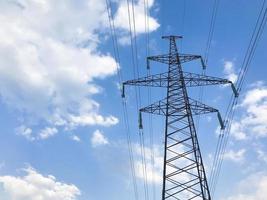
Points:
point(184, 176)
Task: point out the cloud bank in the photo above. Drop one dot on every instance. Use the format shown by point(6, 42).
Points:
point(36, 186)
point(50, 59)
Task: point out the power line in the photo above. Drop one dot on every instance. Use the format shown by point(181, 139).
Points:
point(137, 92)
point(183, 20)
point(162, 17)
point(207, 50)
point(151, 132)
point(211, 30)
point(257, 32)
point(125, 111)
point(206, 55)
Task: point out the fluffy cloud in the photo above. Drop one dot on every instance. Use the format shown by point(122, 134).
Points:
point(252, 123)
point(121, 19)
point(76, 138)
point(229, 71)
point(251, 188)
point(237, 132)
point(42, 134)
point(47, 132)
point(36, 186)
point(261, 155)
point(154, 173)
point(98, 139)
point(49, 60)
point(25, 132)
point(236, 156)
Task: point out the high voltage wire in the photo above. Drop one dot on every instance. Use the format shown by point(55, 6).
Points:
point(224, 136)
point(207, 50)
point(250, 57)
point(231, 112)
point(183, 20)
point(137, 93)
point(162, 17)
point(125, 111)
point(151, 132)
point(247, 60)
point(261, 26)
point(211, 30)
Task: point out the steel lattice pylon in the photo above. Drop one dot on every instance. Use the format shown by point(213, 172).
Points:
point(183, 170)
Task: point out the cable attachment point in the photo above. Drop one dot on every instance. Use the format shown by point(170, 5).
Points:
point(220, 120)
point(147, 64)
point(140, 121)
point(123, 91)
point(203, 63)
point(234, 90)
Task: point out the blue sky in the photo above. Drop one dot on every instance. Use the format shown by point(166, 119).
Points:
point(61, 125)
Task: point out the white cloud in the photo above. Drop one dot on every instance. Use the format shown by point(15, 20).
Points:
point(255, 96)
point(236, 156)
point(75, 138)
point(154, 173)
point(47, 132)
point(251, 188)
point(262, 155)
point(93, 119)
point(42, 134)
point(98, 139)
point(236, 131)
point(25, 132)
point(49, 61)
point(252, 123)
point(229, 71)
point(122, 20)
point(36, 186)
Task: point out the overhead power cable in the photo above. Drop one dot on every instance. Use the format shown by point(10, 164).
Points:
point(207, 50)
point(132, 30)
point(124, 108)
point(151, 132)
point(224, 135)
point(183, 21)
point(211, 30)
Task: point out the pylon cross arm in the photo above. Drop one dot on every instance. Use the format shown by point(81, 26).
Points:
point(156, 80)
point(158, 108)
point(190, 79)
point(199, 108)
point(176, 109)
point(164, 58)
point(167, 58)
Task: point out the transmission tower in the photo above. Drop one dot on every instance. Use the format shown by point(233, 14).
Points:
point(184, 175)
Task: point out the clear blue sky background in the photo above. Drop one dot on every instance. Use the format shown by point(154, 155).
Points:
point(94, 156)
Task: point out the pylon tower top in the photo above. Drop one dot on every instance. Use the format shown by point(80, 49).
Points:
point(172, 37)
